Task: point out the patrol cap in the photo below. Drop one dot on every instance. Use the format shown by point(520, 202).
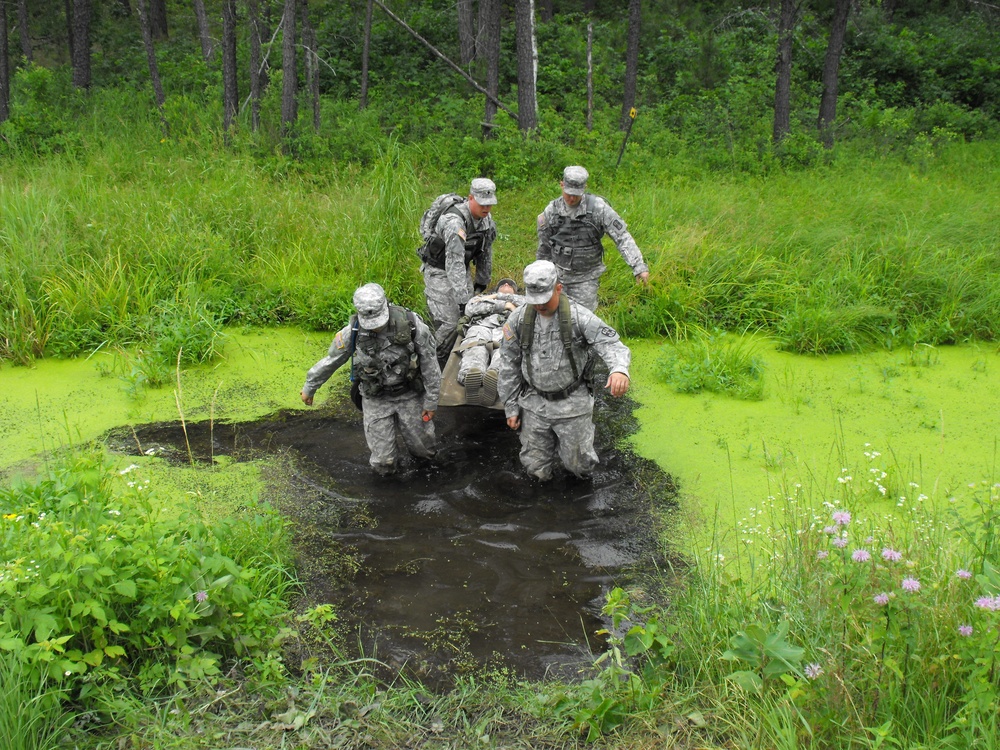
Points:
point(574, 181)
point(484, 191)
point(540, 280)
point(502, 282)
point(372, 306)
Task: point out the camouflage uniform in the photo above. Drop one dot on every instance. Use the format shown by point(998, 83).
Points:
point(570, 236)
point(389, 401)
point(552, 424)
point(481, 346)
point(449, 288)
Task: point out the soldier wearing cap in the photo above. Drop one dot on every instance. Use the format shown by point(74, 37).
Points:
point(543, 384)
point(480, 348)
point(569, 234)
point(467, 232)
point(400, 380)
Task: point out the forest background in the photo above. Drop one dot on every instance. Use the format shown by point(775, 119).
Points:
point(165, 175)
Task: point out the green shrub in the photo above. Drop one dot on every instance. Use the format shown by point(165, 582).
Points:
point(100, 588)
point(720, 364)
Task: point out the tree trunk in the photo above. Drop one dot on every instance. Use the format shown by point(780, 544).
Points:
point(631, 62)
point(289, 88)
point(22, 27)
point(125, 8)
point(230, 93)
point(158, 19)
point(311, 60)
point(489, 15)
point(466, 32)
point(545, 10)
point(527, 65)
point(366, 48)
point(4, 65)
point(81, 43)
point(154, 70)
point(590, 76)
point(253, 11)
point(206, 40)
point(68, 5)
point(831, 70)
point(783, 82)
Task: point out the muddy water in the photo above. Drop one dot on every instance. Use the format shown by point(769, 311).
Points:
point(457, 564)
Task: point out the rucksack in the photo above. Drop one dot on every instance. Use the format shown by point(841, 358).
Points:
point(428, 222)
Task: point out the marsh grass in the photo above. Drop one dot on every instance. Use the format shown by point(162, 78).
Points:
point(718, 363)
point(31, 711)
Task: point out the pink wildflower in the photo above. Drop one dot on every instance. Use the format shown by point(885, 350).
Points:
point(201, 596)
point(910, 584)
point(840, 541)
point(881, 599)
point(861, 555)
point(963, 574)
point(841, 517)
point(822, 554)
point(813, 671)
point(965, 630)
point(891, 555)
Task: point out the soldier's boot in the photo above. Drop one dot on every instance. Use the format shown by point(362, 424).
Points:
point(473, 385)
point(489, 394)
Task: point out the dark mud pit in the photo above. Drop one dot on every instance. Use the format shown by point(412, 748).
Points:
point(461, 564)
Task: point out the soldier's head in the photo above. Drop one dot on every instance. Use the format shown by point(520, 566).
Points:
point(482, 197)
point(506, 286)
point(372, 307)
point(573, 184)
point(542, 287)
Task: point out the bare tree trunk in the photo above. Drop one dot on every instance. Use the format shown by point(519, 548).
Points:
point(527, 65)
point(4, 65)
point(589, 6)
point(831, 70)
point(590, 75)
point(888, 10)
point(253, 11)
point(466, 32)
point(125, 8)
point(81, 43)
point(68, 5)
point(545, 10)
point(22, 27)
point(363, 97)
point(489, 14)
point(289, 106)
point(311, 61)
point(158, 19)
point(206, 40)
point(631, 62)
point(783, 83)
point(230, 93)
point(154, 70)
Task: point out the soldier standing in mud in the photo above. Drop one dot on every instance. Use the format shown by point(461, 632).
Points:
point(463, 235)
point(400, 379)
point(543, 380)
point(569, 234)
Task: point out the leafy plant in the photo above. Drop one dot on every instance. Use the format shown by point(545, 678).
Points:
point(720, 364)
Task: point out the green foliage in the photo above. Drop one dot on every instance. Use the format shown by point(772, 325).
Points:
point(31, 714)
point(102, 590)
point(43, 106)
point(719, 364)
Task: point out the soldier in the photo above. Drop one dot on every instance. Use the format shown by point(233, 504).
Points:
point(462, 235)
point(398, 371)
point(569, 234)
point(546, 345)
point(480, 348)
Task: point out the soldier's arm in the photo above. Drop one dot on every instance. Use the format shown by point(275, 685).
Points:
point(429, 368)
point(617, 230)
point(544, 251)
point(605, 341)
point(340, 351)
point(509, 380)
point(452, 230)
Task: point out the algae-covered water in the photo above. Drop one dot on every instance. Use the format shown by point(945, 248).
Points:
point(929, 418)
point(933, 414)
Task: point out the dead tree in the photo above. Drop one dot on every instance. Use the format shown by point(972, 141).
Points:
point(230, 94)
point(289, 85)
point(831, 71)
point(527, 65)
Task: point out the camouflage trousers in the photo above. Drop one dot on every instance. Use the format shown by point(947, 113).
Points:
point(480, 350)
point(584, 293)
point(383, 417)
point(571, 437)
point(442, 303)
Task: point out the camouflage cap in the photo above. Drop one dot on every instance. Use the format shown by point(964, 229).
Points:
point(372, 306)
point(484, 191)
point(574, 181)
point(540, 280)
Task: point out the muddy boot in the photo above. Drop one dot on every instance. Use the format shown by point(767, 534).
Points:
point(473, 385)
point(489, 394)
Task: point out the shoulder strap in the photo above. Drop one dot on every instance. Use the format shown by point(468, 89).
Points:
point(527, 333)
